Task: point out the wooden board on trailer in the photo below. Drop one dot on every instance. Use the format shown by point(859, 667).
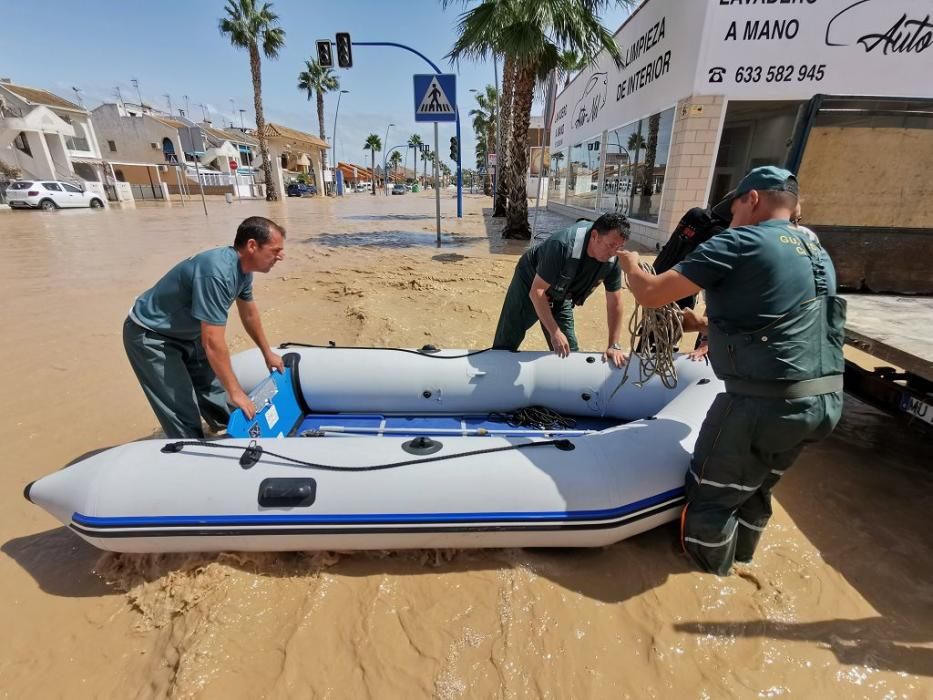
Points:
point(897, 329)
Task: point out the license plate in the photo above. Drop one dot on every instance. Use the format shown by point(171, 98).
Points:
point(915, 407)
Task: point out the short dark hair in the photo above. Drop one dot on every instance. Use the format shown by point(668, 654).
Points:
point(258, 228)
point(613, 222)
point(777, 198)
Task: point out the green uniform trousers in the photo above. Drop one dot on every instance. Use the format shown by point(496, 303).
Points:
point(744, 447)
point(518, 315)
point(178, 381)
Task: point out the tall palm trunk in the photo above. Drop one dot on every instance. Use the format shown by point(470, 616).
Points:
point(320, 120)
point(517, 217)
point(500, 208)
point(651, 155)
point(490, 143)
point(255, 68)
point(372, 163)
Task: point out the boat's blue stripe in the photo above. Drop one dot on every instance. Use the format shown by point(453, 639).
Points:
point(366, 518)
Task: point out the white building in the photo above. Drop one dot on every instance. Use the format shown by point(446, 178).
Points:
point(839, 91)
point(44, 136)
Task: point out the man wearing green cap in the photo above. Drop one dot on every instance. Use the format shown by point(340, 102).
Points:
point(775, 338)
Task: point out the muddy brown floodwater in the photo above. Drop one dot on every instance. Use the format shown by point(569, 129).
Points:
point(838, 604)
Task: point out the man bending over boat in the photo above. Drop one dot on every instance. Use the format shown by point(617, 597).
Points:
point(775, 328)
point(557, 274)
point(174, 334)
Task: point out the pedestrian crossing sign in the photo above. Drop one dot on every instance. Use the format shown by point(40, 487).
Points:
point(435, 97)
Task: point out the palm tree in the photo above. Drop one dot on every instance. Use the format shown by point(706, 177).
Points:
point(484, 124)
point(316, 80)
point(425, 157)
point(394, 160)
point(414, 141)
point(248, 26)
point(373, 143)
point(531, 34)
point(572, 63)
point(651, 155)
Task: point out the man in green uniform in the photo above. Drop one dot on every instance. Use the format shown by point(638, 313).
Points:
point(775, 329)
point(174, 334)
point(554, 276)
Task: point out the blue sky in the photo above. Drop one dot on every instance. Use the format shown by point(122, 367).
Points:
point(173, 47)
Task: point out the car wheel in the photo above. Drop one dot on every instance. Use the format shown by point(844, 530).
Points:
point(47, 205)
point(96, 204)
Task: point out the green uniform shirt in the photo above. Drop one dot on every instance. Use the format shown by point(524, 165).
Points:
point(754, 274)
point(547, 259)
point(201, 288)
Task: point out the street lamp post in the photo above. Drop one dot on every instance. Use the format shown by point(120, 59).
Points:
point(241, 119)
point(385, 180)
point(334, 140)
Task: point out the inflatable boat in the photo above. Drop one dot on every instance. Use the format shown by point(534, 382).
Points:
point(355, 448)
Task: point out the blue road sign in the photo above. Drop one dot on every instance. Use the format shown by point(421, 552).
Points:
point(436, 98)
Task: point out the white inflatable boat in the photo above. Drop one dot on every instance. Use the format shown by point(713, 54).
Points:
point(383, 449)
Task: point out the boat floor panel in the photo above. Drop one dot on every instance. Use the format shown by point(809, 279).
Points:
point(467, 425)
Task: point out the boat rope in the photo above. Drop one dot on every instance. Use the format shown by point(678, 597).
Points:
point(253, 453)
point(540, 417)
point(654, 336)
point(424, 352)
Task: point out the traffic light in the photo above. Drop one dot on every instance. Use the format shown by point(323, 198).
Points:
point(324, 56)
point(453, 148)
point(344, 50)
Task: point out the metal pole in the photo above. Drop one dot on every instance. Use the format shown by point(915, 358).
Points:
point(437, 187)
point(385, 180)
point(459, 170)
point(197, 173)
point(333, 144)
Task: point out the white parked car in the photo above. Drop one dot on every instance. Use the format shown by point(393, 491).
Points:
point(50, 194)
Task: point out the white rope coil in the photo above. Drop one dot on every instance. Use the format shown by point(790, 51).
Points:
point(654, 336)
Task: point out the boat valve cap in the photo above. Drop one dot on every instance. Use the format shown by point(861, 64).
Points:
point(421, 446)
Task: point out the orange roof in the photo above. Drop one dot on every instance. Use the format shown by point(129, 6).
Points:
point(277, 130)
point(37, 96)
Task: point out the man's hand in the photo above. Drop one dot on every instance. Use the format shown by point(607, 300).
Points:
point(239, 399)
point(618, 357)
point(628, 261)
point(274, 362)
point(560, 343)
point(700, 353)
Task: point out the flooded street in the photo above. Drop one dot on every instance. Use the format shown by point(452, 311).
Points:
point(839, 602)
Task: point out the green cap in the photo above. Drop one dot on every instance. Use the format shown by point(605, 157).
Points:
point(768, 177)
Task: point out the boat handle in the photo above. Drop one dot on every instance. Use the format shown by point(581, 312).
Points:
point(287, 492)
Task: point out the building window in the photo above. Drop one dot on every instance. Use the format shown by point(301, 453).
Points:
point(558, 177)
point(636, 162)
point(79, 141)
point(22, 144)
point(583, 174)
point(168, 151)
point(86, 172)
point(112, 145)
